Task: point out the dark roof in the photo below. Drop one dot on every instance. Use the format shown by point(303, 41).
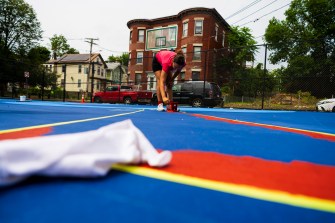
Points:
point(190, 11)
point(72, 58)
point(77, 58)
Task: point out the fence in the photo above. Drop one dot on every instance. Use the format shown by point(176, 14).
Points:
point(246, 80)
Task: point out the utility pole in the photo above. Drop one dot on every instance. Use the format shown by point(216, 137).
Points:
point(264, 75)
point(91, 42)
point(64, 88)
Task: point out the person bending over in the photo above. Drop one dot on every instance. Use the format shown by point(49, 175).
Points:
point(167, 66)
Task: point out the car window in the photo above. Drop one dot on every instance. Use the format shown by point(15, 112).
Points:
point(114, 88)
point(176, 87)
point(200, 85)
point(215, 88)
point(126, 87)
point(186, 87)
point(109, 88)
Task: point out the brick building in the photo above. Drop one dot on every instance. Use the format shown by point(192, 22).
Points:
point(201, 32)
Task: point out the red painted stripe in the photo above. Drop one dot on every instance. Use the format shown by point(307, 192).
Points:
point(296, 177)
point(26, 133)
point(316, 135)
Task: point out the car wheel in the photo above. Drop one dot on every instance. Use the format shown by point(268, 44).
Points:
point(154, 101)
point(97, 100)
point(127, 100)
point(197, 102)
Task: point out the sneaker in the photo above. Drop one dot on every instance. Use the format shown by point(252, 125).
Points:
point(160, 107)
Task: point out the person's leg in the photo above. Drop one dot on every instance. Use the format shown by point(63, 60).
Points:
point(159, 96)
point(169, 87)
point(158, 92)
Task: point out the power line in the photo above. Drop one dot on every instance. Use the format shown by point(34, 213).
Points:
point(255, 12)
point(265, 15)
point(113, 51)
point(243, 9)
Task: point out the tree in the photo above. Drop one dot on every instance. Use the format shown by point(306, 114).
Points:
point(242, 48)
point(19, 27)
point(59, 46)
point(306, 41)
point(124, 58)
point(19, 32)
point(41, 76)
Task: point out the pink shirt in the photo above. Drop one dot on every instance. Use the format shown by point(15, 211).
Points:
point(165, 58)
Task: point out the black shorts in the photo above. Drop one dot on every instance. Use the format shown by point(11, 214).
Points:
point(156, 65)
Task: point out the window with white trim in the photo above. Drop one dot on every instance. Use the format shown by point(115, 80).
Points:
point(223, 37)
point(185, 29)
point(198, 27)
point(182, 76)
point(197, 53)
point(138, 78)
point(139, 58)
point(130, 36)
point(195, 75)
point(129, 62)
point(184, 49)
point(140, 35)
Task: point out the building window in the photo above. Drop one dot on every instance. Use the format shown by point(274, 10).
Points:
point(223, 37)
point(216, 32)
point(98, 70)
point(197, 53)
point(182, 76)
point(79, 82)
point(184, 49)
point(185, 29)
point(140, 35)
point(98, 85)
point(62, 82)
point(151, 85)
point(139, 57)
point(79, 68)
point(195, 75)
point(198, 27)
point(130, 36)
point(129, 62)
point(138, 78)
point(86, 70)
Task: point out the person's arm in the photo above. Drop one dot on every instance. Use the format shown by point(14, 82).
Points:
point(162, 82)
point(175, 74)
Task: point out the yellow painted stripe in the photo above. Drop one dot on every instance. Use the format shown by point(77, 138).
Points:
point(241, 190)
point(268, 125)
point(68, 122)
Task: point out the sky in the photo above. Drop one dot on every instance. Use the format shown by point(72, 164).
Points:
point(106, 20)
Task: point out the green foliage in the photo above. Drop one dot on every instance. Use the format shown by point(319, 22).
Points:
point(243, 80)
point(20, 32)
point(19, 28)
point(242, 44)
point(124, 58)
point(59, 46)
point(39, 54)
point(306, 41)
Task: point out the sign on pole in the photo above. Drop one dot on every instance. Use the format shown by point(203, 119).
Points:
point(26, 74)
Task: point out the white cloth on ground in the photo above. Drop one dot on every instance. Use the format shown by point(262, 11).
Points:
point(84, 154)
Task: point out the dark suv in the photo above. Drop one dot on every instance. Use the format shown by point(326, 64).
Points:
point(192, 93)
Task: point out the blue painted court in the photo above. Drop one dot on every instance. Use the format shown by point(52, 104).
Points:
point(228, 166)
